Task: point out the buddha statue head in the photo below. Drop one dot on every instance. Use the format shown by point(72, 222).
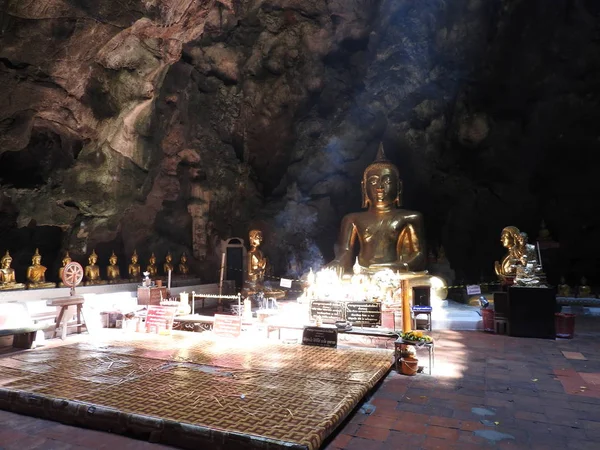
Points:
point(113, 259)
point(510, 237)
point(93, 258)
point(169, 257)
point(255, 238)
point(183, 259)
point(36, 259)
point(134, 257)
point(381, 185)
point(152, 259)
point(66, 259)
point(6, 261)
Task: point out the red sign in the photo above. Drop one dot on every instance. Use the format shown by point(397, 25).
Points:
point(227, 325)
point(160, 318)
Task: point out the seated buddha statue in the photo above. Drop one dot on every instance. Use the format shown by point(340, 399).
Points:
point(511, 239)
point(152, 269)
point(168, 264)
point(7, 274)
point(529, 272)
point(389, 237)
point(113, 273)
point(584, 291)
point(134, 268)
point(36, 273)
point(563, 289)
point(92, 271)
point(183, 267)
point(256, 269)
point(66, 260)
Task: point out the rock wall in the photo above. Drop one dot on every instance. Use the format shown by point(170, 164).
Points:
point(172, 124)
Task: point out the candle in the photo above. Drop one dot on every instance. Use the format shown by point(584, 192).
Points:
point(169, 281)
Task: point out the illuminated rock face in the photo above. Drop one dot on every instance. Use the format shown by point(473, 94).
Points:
point(172, 123)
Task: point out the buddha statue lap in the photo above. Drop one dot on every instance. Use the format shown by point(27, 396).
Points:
point(92, 271)
point(183, 268)
point(152, 269)
point(36, 273)
point(389, 237)
point(168, 264)
point(134, 270)
point(506, 270)
point(66, 260)
point(8, 280)
point(113, 273)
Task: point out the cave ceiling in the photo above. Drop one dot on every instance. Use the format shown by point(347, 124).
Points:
point(173, 124)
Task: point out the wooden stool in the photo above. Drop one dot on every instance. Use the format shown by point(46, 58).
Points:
point(64, 303)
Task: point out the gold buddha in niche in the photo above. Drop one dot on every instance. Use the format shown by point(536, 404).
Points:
point(389, 237)
point(66, 260)
point(257, 263)
point(168, 264)
point(183, 267)
point(151, 268)
point(92, 271)
point(7, 274)
point(134, 268)
point(113, 273)
point(36, 273)
point(512, 240)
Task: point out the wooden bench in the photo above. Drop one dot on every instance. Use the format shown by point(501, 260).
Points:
point(15, 321)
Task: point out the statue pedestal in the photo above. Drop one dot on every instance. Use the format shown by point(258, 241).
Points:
point(12, 287)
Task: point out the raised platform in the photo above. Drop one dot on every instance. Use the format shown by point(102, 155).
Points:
point(194, 391)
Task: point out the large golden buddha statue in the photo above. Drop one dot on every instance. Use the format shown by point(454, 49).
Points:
point(511, 239)
point(36, 273)
point(168, 264)
point(389, 237)
point(113, 272)
point(92, 271)
point(7, 274)
point(151, 268)
point(134, 268)
point(184, 270)
point(66, 260)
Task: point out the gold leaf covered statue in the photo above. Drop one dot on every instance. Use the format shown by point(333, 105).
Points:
point(8, 280)
point(36, 273)
point(563, 290)
point(168, 264)
point(113, 273)
point(183, 267)
point(529, 271)
point(389, 237)
point(152, 269)
point(506, 269)
point(92, 271)
point(256, 269)
point(584, 291)
point(66, 260)
point(134, 268)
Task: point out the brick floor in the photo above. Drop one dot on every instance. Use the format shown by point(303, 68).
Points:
point(487, 392)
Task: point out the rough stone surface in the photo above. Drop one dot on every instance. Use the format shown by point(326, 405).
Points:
point(173, 124)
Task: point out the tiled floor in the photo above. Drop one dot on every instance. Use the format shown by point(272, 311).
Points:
point(487, 391)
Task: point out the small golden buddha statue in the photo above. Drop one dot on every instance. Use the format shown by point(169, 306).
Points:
point(511, 239)
point(257, 263)
point(8, 280)
point(442, 259)
point(113, 273)
point(563, 290)
point(92, 271)
point(168, 264)
point(36, 273)
point(66, 260)
point(134, 268)
point(544, 233)
point(584, 291)
point(183, 267)
point(152, 269)
point(389, 237)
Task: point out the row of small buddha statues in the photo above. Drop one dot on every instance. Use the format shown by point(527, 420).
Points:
point(582, 291)
point(36, 273)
